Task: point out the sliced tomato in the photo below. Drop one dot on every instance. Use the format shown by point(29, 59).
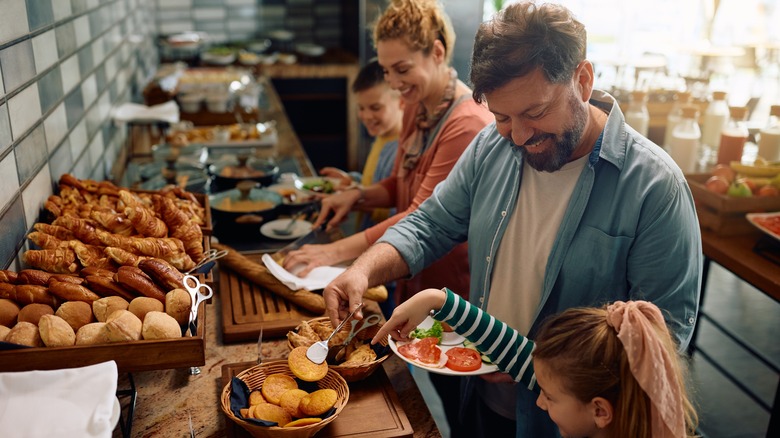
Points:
point(447, 328)
point(463, 359)
point(424, 351)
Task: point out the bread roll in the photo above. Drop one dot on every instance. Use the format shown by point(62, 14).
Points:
point(92, 334)
point(32, 312)
point(160, 325)
point(4, 332)
point(177, 304)
point(141, 306)
point(104, 307)
point(76, 313)
point(123, 326)
point(9, 310)
point(56, 332)
point(25, 333)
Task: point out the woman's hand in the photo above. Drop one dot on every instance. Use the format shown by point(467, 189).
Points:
point(343, 177)
point(301, 261)
point(337, 206)
point(407, 316)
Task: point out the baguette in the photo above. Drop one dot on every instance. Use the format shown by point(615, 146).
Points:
point(134, 279)
point(92, 270)
point(28, 294)
point(260, 275)
point(163, 273)
point(34, 276)
point(7, 276)
point(72, 292)
point(66, 278)
point(107, 287)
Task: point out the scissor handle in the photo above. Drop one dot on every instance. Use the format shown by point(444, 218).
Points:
point(199, 296)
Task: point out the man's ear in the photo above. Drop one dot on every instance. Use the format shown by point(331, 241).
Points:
point(602, 412)
point(583, 77)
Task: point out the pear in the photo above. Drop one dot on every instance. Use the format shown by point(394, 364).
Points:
point(739, 189)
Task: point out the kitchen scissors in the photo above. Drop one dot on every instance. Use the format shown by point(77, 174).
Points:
point(194, 286)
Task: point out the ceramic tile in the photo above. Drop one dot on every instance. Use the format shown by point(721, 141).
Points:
point(18, 63)
point(71, 74)
point(82, 168)
point(5, 129)
point(2, 87)
point(93, 121)
point(13, 230)
point(45, 50)
point(61, 9)
point(110, 65)
point(78, 139)
point(83, 33)
point(74, 106)
point(167, 4)
point(96, 149)
point(55, 126)
point(85, 60)
point(242, 25)
point(39, 13)
point(30, 153)
point(9, 179)
point(61, 161)
point(35, 194)
point(66, 39)
point(13, 20)
point(98, 50)
point(25, 110)
point(100, 78)
point(78, 5)
point(50, 89)
point(176, 26)
point(240, 2)
point(209, 13)
point(243, 12)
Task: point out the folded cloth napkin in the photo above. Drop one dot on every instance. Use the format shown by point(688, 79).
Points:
point(317, 279)
point(133, 112)
point(74, 402)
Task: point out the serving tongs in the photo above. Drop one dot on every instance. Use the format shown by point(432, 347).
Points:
point(194, 286)
point(318, 351)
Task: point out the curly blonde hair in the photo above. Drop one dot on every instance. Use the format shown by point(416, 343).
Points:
point(418, 23)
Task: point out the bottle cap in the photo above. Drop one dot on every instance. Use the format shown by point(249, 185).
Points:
point(774, 110)
point(690, 111)
point(738, 112)
point(638, 95)
point(718, 95)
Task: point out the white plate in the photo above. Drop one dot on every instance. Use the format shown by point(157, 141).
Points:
point(302, 182)
point(751, 217)
point(426, 324)
point(299, 229)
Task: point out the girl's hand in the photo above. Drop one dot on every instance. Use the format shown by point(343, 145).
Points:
point(407, 316)
point(301, 261)
point(336, 206)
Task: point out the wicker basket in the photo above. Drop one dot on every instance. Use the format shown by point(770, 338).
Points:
point(350, 373)
point(254, 378)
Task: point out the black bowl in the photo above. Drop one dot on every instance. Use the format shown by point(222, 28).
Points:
point(228, 173)
point(239, 212)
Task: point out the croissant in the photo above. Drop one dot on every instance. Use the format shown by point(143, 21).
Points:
point(128, 199)
point(43, 240)
point(81, 228)
point(115, 240)
point(183, 228)
point(61, 233)
point(71, 195)
point(112, 221)
point(107, 188)
point(169, 249)
point(90, 255)
point(145, 222)
point(108, 202)
point(60, 260)
point(53, 205)
point(122, 257)
point(69, 180)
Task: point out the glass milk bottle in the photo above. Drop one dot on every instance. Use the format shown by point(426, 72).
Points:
point(769, 140)
point(715, 117)
point(681, 98)
point(684, 144)
point(637, 115)
point(733, 136)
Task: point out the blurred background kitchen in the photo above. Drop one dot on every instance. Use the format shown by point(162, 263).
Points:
point(65, 64)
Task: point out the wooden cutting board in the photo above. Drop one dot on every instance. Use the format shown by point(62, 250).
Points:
point(246, 307)
point(373, 409)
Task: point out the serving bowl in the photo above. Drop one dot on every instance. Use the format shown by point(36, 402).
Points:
point(240, 211)
point(228, 172)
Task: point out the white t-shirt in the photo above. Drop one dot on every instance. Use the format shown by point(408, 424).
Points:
point(521, 260)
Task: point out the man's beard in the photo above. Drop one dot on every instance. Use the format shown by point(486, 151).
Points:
point(565, 143)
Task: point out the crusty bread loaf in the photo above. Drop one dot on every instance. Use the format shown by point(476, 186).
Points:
point(56, 332)
point(92, 334)
point(8, 276)
point(34, 276)
point(141, 306)
point(76, 313)
point(32, 312)
point(107, 287)
point(134, 279)
point(160, 325)
point(104, 307)
point(9, 311)
point(163, 273)
point(71, 291)
point(177, 304)
point(28, 294)
point(122, 326)
point(25, 333)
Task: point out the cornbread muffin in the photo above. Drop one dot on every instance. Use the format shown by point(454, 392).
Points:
point(318, 402)
point(269, 412)
point(305, 369)
point(275, 385)
point(290, 401)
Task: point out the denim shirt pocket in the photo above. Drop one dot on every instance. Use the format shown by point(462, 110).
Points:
point(598, 261)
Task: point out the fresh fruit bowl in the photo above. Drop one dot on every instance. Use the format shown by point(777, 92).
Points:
point(722, 203)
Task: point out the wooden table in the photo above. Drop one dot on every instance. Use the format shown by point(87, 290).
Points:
point(738, 255)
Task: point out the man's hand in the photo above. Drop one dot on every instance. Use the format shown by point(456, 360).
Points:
point(343, 294)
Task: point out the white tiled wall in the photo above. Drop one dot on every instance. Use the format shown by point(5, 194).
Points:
point(63, 65)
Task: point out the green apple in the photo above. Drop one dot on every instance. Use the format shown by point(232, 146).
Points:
point(739, 189)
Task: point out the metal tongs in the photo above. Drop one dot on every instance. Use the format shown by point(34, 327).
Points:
point(194, 286)
point(209, 258)
point(318, 351)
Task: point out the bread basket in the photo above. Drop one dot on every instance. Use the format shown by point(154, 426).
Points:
point(350, 372)
point(254, 378)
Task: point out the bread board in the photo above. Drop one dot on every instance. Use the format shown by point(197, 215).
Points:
point(373, 410)
point(129, 356)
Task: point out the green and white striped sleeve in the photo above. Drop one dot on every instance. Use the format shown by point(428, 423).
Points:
point(507, 348)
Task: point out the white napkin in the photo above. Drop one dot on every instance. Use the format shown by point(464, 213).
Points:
point(128, 112)
point(74, 402)
point(317, 279)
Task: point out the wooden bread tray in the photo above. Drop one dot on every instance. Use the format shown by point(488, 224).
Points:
point(129, 356)
point(247, 307)
point(373, 410)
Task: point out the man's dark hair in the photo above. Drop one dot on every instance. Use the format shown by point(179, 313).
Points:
point(369, 76)
point(521, 38)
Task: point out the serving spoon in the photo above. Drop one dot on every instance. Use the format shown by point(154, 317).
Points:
point(318, 351)
point(286, 231)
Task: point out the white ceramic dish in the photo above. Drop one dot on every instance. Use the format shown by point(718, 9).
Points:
point(299, 228)
point(305, 183)
point(426, 324)
point(752, 218)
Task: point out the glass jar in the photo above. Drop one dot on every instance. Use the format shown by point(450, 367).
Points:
point(769, 137)
point(733, 136)
point(637, 115)
point(681, 98)
point(685, 141)
point(715, 117)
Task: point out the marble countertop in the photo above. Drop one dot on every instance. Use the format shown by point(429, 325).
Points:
point(167, 398)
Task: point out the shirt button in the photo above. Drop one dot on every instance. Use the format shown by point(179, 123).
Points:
point(481, 300)
point(503, 213)
point(691, 320)
point(487, 258)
